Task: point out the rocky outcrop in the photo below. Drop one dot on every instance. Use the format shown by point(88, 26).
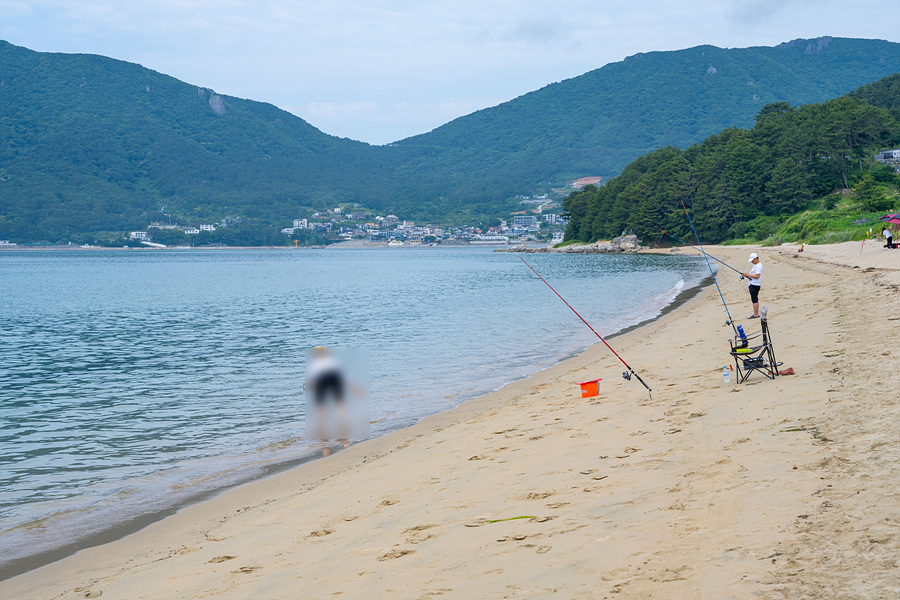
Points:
point(217, 103)
point(623, 243)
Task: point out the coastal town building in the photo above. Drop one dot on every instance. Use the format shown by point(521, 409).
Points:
point(138, 235)
point(890, 157)
point(552, 219)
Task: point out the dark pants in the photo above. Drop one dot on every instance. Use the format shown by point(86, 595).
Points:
point(754, 293)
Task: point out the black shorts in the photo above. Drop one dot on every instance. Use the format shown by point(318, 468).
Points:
point(754, 293)
point(328, 386)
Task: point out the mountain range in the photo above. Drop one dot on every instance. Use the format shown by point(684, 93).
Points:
point(90, 144)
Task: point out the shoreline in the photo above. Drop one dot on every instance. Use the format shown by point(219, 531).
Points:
point(781, 488)
point(136, 524)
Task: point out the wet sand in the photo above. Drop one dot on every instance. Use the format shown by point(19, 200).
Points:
point(780, 488)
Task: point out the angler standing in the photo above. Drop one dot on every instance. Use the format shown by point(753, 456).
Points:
point(755, 279)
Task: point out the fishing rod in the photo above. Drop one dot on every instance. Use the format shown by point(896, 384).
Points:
point(701, 250)
point(705, 256)
point(626, 374)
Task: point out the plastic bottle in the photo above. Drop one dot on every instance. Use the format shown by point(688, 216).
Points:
point(742, 335)
point(726, 375)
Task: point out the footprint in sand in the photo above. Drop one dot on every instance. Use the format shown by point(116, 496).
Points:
point(246, 569)
point(321, 532)
point(388, 502)
point(544, 549)
point(220, 559)
point(628, 451)
point(538, 495)
point(395, 554)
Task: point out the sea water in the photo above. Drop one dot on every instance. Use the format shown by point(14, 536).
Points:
point(133, 381)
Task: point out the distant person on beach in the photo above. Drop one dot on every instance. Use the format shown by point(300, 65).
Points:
point(336, 398)
point(755, 279)
point(888, 238)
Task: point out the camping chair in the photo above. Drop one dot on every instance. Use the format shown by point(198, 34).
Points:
point(749, 357)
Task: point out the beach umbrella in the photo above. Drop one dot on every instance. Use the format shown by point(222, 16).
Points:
point(893, 218)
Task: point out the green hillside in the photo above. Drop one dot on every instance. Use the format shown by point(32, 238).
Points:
point(816, 159)
point(597, 123)
point(90, 144)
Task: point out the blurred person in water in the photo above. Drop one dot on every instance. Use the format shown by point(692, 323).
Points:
point(336, 400)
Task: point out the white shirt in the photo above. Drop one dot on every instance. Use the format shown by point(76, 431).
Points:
point(756, 270)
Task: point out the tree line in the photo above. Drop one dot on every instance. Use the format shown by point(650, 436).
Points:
point(735, 184)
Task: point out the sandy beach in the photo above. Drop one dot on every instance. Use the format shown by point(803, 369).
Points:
point(784, 488)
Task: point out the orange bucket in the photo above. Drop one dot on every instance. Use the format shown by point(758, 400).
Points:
point(590, 388)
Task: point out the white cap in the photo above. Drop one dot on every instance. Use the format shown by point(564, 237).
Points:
point(753, 257)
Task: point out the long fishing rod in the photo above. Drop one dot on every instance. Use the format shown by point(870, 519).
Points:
point(701, 250)
point(627, 374)
point(705, 256)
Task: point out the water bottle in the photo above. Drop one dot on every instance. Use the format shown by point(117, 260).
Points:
point(743, 336)
point(726, 375)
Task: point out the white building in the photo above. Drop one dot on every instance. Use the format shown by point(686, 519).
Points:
point(192, 231)
point(887, 157)
point(289, 230)
point(300, 223)
point(139, 235)
point(524, 220)
point(207, 228)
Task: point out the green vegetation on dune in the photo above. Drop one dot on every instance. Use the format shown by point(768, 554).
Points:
point(772, 183)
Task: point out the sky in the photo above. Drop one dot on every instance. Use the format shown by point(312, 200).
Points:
point(382, 70)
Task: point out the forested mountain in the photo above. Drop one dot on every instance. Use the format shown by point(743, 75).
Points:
point(597, 123)
point(88, 143)
point(738, 182)
point(92, 144)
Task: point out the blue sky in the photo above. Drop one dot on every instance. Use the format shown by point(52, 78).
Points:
point(383, 70)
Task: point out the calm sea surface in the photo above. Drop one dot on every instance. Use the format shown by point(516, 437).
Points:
point(133, 381)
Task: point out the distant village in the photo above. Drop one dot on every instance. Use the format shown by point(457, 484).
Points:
point(539, 219)
point(343, 223)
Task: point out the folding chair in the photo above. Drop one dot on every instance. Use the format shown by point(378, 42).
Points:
point(759, 357)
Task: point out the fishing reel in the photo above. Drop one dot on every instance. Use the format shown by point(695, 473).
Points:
point(626, 375)
point(728, 322)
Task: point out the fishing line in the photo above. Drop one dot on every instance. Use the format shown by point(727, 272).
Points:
point(627, 374)
point(705, 256)
point(709, 255)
